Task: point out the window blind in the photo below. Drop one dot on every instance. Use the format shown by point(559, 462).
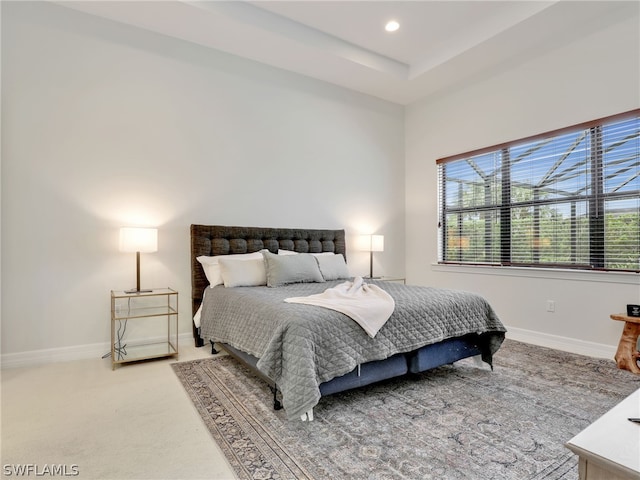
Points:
point(566, 199)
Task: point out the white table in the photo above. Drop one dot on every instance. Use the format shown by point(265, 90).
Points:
point(609, 448)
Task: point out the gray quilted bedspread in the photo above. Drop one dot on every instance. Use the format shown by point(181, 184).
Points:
point(301, 346)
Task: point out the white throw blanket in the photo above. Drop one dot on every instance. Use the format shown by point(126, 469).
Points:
point(368, 305)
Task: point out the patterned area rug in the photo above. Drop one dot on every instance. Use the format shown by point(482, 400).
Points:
point(455, 422)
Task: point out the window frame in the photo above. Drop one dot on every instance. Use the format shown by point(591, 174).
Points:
point(505, 206)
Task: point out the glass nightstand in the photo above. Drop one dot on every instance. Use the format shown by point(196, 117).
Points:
point(158, 311)
point(388, 279)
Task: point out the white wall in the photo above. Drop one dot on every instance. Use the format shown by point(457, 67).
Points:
point(104, 126)
point(585, 80)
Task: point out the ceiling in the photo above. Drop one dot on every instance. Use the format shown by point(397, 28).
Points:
point(440, 44)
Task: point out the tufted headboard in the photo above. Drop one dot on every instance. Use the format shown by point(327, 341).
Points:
point(211, 240)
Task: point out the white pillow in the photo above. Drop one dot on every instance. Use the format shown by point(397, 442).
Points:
point(211, 266)
point(333, 267)
point(243, 273)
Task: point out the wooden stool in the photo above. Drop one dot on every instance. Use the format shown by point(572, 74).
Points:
point(627, 353)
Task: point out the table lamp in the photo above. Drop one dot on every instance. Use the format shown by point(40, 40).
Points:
point(138, 239)
point(373, 243)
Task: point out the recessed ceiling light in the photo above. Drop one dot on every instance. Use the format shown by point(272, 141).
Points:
point(392, 26)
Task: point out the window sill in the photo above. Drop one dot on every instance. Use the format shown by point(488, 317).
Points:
point(626, 278)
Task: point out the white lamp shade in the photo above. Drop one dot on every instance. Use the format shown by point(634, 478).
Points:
point(371, 243)
point(137, 239)
point(377, 243)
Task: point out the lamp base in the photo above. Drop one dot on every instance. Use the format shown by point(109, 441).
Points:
point(137, 290)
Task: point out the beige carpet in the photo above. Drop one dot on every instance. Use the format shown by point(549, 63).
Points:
point(454, 422)
point(133, 423)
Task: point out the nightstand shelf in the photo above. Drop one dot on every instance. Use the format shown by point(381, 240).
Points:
point(388, 279)
point(159, 308)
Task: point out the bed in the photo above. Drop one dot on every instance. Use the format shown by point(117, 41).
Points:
point(305, 352)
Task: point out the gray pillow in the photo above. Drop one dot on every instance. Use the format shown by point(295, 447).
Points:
point(333, 267)
point(283, 269)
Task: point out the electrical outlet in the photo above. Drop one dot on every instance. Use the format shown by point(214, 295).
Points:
point(551, 306)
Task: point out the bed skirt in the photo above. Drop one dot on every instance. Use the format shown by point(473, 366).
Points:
point(425, 358)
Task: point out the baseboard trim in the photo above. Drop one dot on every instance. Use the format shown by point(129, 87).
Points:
point(566, 344)
point(65, 354)
point(97, 350)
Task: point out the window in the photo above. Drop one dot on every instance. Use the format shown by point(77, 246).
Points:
point(567, 199)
